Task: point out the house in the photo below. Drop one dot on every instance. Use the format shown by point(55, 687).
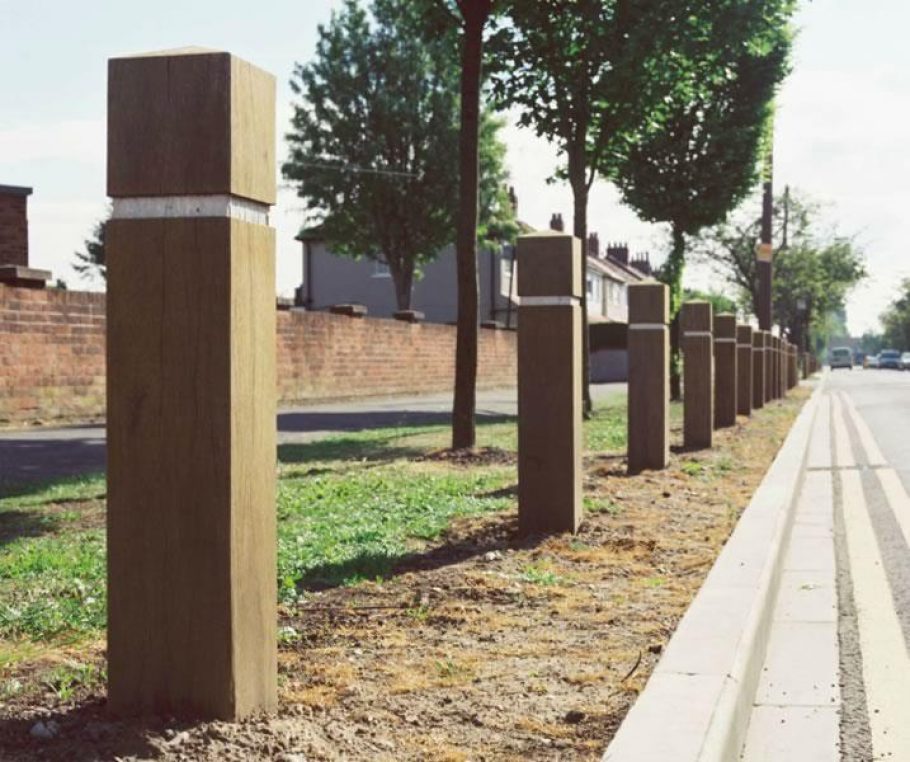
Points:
point(328, 279)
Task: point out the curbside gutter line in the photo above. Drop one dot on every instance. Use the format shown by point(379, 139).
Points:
point(698, 701)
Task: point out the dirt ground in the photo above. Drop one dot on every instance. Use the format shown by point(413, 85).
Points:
point(482, 646)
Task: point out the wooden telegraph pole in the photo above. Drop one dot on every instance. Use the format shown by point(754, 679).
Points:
point(764, 253)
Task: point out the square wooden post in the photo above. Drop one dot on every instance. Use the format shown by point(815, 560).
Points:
point(744, 369)
point(191, 392)
point(769, 367)
point(549, 383)
point(725, 378)
point(696, 327)
point(649, 377)
point(758, 369)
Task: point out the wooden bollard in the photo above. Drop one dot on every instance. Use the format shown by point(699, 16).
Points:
point(191, 386)
point(549, 383)
point(769, 367)
point(744, 369)
point(649, 377)
point(696, 324)
point(725, 379)
point(758, 369)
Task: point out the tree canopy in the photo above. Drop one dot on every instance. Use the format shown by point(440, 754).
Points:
point(93, 261)
point(696, 164)
point(374, 139)
point(814, 273)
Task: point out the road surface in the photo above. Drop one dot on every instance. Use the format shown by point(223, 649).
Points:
point(836, 678)
point(41, 454)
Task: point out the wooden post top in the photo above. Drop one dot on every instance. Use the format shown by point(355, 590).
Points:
point(549, 264)
point(696, 316)
point(725, 326)
point(744, 334)
point(758, 339)
point(190, 122)
point(649, 303)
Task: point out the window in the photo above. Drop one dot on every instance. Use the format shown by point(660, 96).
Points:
point(595, 294)
point(381, 269)
point(507, 266)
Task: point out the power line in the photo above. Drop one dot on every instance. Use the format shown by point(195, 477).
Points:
point(357, 170)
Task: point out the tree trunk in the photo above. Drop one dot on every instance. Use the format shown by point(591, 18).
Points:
point(402, 272)
point(474, 14)
point(578, 181)
point(673, 274)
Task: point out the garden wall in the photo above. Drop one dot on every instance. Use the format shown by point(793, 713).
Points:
point(52, 356)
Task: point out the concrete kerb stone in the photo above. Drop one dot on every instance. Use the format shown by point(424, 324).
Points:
point(697, 703)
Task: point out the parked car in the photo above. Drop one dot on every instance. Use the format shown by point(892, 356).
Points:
point(890, 358)
point(905, 361)
point(841, 357)
point(871, 361)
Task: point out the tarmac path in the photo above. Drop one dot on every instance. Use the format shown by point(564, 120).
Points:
point(45, 453)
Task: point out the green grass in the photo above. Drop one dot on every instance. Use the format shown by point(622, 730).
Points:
point(349, 507)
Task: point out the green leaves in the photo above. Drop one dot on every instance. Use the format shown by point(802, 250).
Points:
point(374, 137)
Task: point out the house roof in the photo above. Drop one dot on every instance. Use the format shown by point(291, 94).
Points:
point(616, 270)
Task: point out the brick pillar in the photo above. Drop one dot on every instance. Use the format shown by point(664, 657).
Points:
point(649, 377)
point(549, 383)
point(725, 379)
point(744, 369)
point(191, 386)
point(14, 225)
point(758, 369)
point(696, 329)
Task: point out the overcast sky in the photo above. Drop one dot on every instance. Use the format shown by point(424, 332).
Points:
point(842, 121)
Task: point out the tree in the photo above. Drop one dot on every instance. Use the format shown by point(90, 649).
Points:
point(720, 303)
point(896, 320)
point(585, 74)
point(701, 160)
point(373, 137)
point(92, 261)
point(470, 17)
point(815, 272)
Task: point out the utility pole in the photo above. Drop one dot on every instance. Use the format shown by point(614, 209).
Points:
point(764, 252)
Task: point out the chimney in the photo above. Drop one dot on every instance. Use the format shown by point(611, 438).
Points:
point(642, 263)
point(513, 200)
point(618, 252)
point(594, 246)
point(14, 225)
point(556, 223)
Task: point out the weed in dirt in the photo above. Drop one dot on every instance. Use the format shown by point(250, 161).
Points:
point(600, 504)
point(692, 468)
point(537, 574)
point(64, 680)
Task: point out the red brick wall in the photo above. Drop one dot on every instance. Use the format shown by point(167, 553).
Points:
point(13, 230)
point(52, 357)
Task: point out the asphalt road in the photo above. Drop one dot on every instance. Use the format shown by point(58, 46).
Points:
point(41, 454)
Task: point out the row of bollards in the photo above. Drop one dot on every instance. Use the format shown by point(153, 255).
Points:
point(191, 384)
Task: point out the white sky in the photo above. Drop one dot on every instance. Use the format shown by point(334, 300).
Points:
point(840, 131)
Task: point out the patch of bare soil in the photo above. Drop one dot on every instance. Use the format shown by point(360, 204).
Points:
point(481, 456)
point(482, 646)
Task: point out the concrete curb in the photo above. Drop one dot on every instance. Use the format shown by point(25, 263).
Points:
point(698, 701)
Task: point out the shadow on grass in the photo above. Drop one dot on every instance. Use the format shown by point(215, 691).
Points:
point(17, 524)
point(86, 731)
point(500, 535)
point(375, 444)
